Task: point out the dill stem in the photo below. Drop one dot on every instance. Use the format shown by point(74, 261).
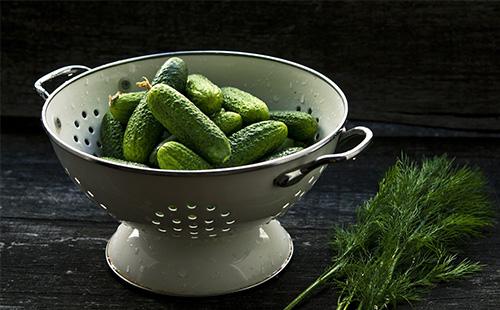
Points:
point(316, 284)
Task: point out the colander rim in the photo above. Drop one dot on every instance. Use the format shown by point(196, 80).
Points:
point(217, 171)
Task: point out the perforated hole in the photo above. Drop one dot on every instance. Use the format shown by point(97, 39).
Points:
point(91, 129)
point(226, 229)
point(298, 108)
point(172, 208)
point(193, 232)
point(77, 124)
point(86, 141)
point(84, 114)
point(99, 145)
point(90, 194)
point(155, 222)
point(159, 214)
point(230, 222)
point(225, 214)
point(311, 179)
point(193, 226)
point(286, 205)
point(162, 230)
point(298, 193)
point(209, 228)
point(57, 122)
point(194, 237)
point(210, 221)
point(192, 217)
point(210, 208)
point(66, 171)
point(302, 194)
point(322, 169)
point(103, 206)
point(317, 119)
point(316, 137)
point(75, 138)
point(309, 110)
point(212, 235)
point(176, 221)
point(76, 180)
point(96, 112)
point(177, 229)
point(191, 207)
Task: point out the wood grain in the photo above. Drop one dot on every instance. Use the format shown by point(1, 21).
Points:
point(52, 237)
point(433, 63)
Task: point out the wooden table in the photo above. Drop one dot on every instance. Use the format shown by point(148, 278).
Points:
point(53, 238)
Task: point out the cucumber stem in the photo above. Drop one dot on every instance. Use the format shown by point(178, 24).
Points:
point(144, 84)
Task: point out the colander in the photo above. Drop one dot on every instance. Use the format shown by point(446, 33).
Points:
point(196, 233)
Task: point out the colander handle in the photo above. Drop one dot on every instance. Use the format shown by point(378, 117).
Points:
point(68, 71)
point(295, 175)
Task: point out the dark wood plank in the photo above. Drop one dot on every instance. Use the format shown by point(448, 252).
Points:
point(52, 242)
point(433, 63)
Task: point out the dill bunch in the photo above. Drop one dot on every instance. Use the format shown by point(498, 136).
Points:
point(405, 238)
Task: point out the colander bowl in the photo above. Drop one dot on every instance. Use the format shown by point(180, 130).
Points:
point(207, 232)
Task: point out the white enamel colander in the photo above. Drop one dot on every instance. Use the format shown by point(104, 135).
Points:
point(196, 233)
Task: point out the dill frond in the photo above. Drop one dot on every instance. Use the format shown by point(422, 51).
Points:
point(405, 238)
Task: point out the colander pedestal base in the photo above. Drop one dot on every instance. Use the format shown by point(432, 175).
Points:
point(181, 266)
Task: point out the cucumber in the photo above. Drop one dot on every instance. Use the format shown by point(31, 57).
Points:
point(255, 141)
point(111, 136)
point(125, 162)
point(301, 126)
point(282, 153)
point(153, 160)
point(188, 123)
point(251, 108)
point(173, 72)
point(175, 156)
point(286, 144)
point(143, 130)
point(122, 105)
point(228, 121)
point(204, 94)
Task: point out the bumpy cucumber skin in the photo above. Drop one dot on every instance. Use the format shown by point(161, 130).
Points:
point(175, 156)
point(122, 105)
point(228, 121)
point(286, 144)
point(125, 162)
point(204, 94)
point(153, 159)
point(188, 123)
point(141, 134)
point(251, 108)
point(143, 130)
point(282, 153)
point(255, 141)
point(173, 72)
point(301, 126)
point(111, 136)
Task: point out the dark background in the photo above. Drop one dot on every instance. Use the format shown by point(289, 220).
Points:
point(425, 76)
point(429, 63)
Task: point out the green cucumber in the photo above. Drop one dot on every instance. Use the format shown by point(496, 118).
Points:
point(173, 72)
point(175, 156)
point(111, 136)
point(301, 126)
point(251, 108)
point(255, 141)
point(143, 130)
point(122, 105)
point(286, 144)
point(282, 153)
point(228, 121)
point(153, 160)
point(125, 162)
point(204, 94)
point(188, 123)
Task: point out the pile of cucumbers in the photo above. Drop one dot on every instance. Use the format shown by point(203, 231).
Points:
point(185, 122)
